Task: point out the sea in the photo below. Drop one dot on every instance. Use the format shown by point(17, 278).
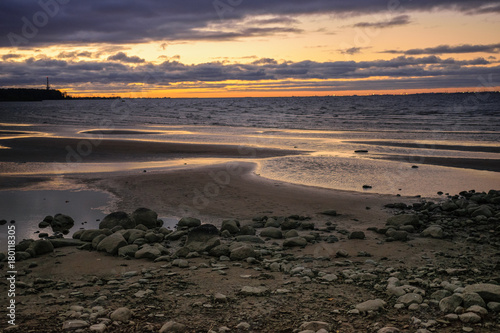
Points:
point(408, 145)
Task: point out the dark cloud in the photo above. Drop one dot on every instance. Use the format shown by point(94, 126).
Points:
point(74, 54)
point(34, 22)
point(6, 57)
point(351, 50)
point(395, 21)
point(122, 57)
point(443, 49)
point(400, 72)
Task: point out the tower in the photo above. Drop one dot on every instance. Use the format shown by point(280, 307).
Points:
point(48, 86)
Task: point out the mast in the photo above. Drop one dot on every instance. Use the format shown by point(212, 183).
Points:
point(48, 86)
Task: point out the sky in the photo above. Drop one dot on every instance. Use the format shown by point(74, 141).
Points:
point(250, 48)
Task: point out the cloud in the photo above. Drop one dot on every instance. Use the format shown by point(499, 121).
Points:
point(33, 22)
point(395, 21)
point(74, 54)
point(6, 57)
point(122, 57)
point(443, 49)
point(116, 76)
point(351, 50)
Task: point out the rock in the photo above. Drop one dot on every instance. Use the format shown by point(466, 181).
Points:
point(146, 217)
point(291, 234)
point(242, 252)
point(329, 212)
point(289, 224)
point(220, 250)
point(488, 292)
point(329, 277)
point(294, 242)
point(117, 218)
point(181, 263)
point(233, 226)
point(128, 250)
point(247, 230)
point(471, 299)
point(98, 328)
point(72, 325)
point(371, 305)
point(388, 330)
point(112, 243)
point(250, 239)
point(254, 291)
point(449, 206)
point(271, 222)
point(203, 238)
point(469, 317)
point(173, 327)
point(440, 294)
point(63, 242)
point(434, 231)
point(176, 235)
point(314, 326)
point(243, 326)
point(220, 298)
point(62, 222)
point(148, 252)
point(89, 235)
point(403, 219)
point(397, 235)
point(43, 224)
point(42, 246)
point(188, 222)
point(152, 237)
point(121, 314)
point(449, 304)
point(357, 235)
point(477, 309)
point(97, 240)
point(410, 298)
point(271, 232)
point(483, 210)
point(131, 235)
point(21, 255)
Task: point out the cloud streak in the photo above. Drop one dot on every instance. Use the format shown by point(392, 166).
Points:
point(394, 22)
point(447, 49)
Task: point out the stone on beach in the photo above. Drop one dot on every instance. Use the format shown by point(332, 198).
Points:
point(42, 246)
point(488, 292)
point(295, 242)
point(242, 252)
point(271, 232)
point(434, 231)
point(203, 238)
point(146, 217)
point(117, 219)
point(62, 222)
point(173, 327)
point(188, 222)
point(403, 219)
point(371, 305)
point(121, 314)
point(112, 243)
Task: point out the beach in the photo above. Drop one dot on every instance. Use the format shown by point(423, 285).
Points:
point(206, 228)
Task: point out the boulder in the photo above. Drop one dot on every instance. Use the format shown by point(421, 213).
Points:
point(89, 235)
point(121, 314)
point(146, 217)
point(112, 243)
point(242, 252)
point(148, 252)
point(357, 235)
point(290, 224)
point(233, 226)
point(220, 250)
point(403, 219)
point(291, 233)
point(449, 304)
point(330, 212)
point(409, 299)
point(250, 239)
point(314, 326)
point(132, 234)
point(295, 242)
point(128, 250)
point(117, 218)
point(188, 222)
point(488, 292)
point(434, 231)
point(483, 210)
point(63, 242)
point(371, 305)
point(203, 238)
point(247, 230)
point(62, 222)
point(42, 246)
point(271, 232)
point(97, 240)
point(173, 327)
point(471, 299)
point(254, 291)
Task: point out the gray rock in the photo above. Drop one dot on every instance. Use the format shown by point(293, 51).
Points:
point(471, 299)
point(371, 305)
point(397, 235)
point(176, 235)
point(440, 294)
point(494, 306)
point(173, 327)
point(188, 222)
point(357, 235)
point(295, 242)
point(132, 234)
point(315, 326)
point(89, 235)
point(242, 252)
point(72, 325)
point(329, 212)
point(117, 218)
point(121, 314)
point(449, 206)
point(98, 328)
point(220, 250)
point(291, 233)
point(250, 239)
point(488, 292)
point(62, 222)
point(97, 240)
point(112, 243)
point(247, 230)
point(289, 224)
point(128, 250)
point(43, 224)
point(434, 231)
point(410, 299)
point(146, 217)
point(469, 317)
point(42, 246)
point(203, 238)
point(449, 304)
point(483, 210)
point(388, 330)
point(271, 232)
point(148, 252)
point(77, 234)
point(254, 291)
point(403, 219)
point(233, 226)
point(152, 237)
